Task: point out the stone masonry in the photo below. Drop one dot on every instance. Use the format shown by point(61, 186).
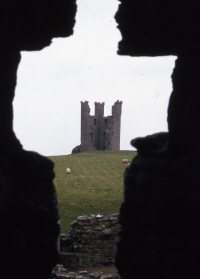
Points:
point(99, 132)
point(59, 272)
point(91, 241)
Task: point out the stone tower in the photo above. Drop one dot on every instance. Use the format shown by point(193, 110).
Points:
point(99, 132)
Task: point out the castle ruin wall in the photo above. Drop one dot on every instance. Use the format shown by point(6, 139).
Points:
point(91, 241)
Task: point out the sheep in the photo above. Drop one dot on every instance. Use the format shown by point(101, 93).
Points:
point(68, 171)
point(125, 161)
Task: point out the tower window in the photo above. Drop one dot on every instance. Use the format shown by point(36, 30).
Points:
point(91, 136)
point(95, 121)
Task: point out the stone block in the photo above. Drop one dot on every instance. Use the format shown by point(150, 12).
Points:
point(109, 276)
point(82, 218)
point(85, 241)
point(74, 224)
point(83, 272)
point(96, 275)
point(81, 224)
point(70, 275)
point(99, 216)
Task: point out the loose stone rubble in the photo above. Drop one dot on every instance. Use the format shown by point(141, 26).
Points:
point(60, 272)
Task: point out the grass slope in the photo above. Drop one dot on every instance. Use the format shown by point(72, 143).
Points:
point(95, 184)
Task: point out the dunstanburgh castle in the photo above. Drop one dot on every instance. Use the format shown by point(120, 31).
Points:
point(99, 132)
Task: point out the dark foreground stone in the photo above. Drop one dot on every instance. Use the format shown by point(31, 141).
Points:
point(159, 217)
point(28, 216)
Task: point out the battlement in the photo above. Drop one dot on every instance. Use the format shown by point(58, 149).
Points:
point(118, 102)
point(98, 103)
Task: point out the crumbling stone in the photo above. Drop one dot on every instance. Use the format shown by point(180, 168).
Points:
point(109, 276)
point(59, 272)
point(96, 275)
point(84, 273)
point(91, 241)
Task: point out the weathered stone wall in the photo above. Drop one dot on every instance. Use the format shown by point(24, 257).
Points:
point(91, 241)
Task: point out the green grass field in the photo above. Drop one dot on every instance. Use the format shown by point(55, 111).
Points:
point(95, 184)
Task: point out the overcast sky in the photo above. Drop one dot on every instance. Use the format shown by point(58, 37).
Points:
point(85, 67)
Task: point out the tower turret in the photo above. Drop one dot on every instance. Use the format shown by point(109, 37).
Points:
point(87, 128)
point(116, 114)
point(99, 109)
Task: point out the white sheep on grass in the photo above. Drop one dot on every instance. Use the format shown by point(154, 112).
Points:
point(68, 171)
point(125, 161)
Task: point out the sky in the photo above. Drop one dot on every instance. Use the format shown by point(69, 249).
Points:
point(85, 67)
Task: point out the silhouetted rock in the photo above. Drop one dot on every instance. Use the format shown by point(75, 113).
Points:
point(28, 204)
point(183, 110)
point(153, 27)
point(29, 216)
point(9, 60)
point(151, 145)
point(159, 217)
point(32, 25)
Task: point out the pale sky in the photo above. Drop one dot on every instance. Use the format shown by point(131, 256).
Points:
point(85, 67)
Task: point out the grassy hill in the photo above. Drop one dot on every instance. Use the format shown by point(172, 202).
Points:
point(95, 184)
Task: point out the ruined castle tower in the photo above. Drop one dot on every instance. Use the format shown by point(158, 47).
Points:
point(99, 132)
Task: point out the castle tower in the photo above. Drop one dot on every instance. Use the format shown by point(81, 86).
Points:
point(99, 132)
